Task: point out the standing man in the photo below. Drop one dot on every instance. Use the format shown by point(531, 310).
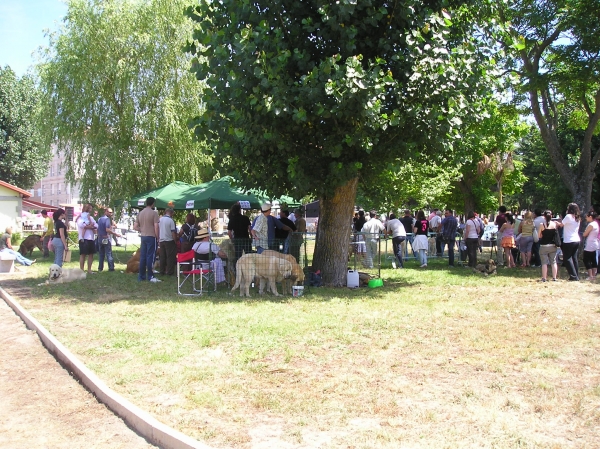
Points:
point(282, 235)
point(167, 243)
point(146, 223)
point(435, 225)
point(538, 219)
point(449, 225)
point(396, 229)
point(409, 223)
point(298, 236)
point(371, 230)
point(86, 228)
point(500, 220)
point(263, 229)
point(105, 232)
point(48, 231)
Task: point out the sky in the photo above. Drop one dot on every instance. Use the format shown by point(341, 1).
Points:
point(22, 25)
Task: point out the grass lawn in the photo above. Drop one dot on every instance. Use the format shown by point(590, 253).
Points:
point(437, 358)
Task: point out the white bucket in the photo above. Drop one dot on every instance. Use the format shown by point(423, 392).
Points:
point(352, 281)
point(297, 290)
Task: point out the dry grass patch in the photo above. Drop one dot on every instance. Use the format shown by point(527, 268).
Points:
point(435, 359)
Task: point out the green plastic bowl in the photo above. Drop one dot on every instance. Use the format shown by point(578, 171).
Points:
point(374, 283)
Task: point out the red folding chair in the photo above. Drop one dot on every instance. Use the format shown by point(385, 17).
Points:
point(188, 273)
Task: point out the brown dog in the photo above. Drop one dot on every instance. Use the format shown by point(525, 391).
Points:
point(486, 268)
point(30, 243)
point(297, 277)
point(133, 264)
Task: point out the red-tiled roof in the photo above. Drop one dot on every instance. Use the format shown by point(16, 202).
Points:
point(25, 193)
point(30, 204)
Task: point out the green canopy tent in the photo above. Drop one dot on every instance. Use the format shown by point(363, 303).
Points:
point(164, 195)
point(217, 194)
point(288, 200)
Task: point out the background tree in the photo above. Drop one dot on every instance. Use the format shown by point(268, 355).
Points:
point(118, 94)
point(552, 49)
point(23, 157)
point(309, 97)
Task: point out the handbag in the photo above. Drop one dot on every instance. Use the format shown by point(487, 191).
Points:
point(67, 257)
point(557, 241)
point(50, 246)
point(536, 236)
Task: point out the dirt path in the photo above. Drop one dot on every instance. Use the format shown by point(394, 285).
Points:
point(42, 406)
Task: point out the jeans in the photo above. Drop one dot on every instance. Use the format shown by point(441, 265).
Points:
point(472, 245)
point(535, 254)
point(451, 244)
point(147, 256)
point(19, 258)
point(570, 259)
point(397, 245)
point(439, 245)
point(59, 251)
point(105, 250)
point(423, 256)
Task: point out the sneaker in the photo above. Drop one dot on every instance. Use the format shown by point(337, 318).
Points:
point(423, 266)
point(542, 280)
point(555, 279)
point(33, 261)
point(155, 280)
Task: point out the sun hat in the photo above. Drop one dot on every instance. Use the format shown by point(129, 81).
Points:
point(202, 233)
point(265, 207)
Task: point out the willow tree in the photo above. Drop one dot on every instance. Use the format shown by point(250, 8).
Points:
point(308, 97)
point(118, 94)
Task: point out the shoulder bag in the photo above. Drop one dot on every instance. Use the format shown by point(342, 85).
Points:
point(536, 236)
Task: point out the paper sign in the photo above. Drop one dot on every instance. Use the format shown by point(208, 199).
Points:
point(189, 204)
point(142, 202)
point(245, 204)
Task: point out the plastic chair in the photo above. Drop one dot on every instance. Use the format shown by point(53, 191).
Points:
point(188, 273)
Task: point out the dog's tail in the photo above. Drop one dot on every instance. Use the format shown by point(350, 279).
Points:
point(238, 274)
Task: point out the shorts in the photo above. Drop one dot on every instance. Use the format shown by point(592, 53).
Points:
point(589, 260)
point(548, 254)
point(87, 247)
point(526, 244)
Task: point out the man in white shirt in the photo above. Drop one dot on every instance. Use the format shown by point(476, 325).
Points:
point(538, 219)
point(167, 246)
point(435, 225)
point(371, 230)
point(86, 228)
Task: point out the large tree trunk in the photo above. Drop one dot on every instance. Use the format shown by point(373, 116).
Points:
point(333, 234)
point(465, 186)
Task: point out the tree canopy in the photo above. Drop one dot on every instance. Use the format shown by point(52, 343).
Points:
point(551, 48)
point(118, 94)
point(309, 97)
point(23, 156)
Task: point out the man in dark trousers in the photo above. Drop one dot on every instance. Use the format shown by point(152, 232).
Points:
point(281, 234)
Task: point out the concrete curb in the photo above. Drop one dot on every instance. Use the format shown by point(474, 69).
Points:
point(151, 429)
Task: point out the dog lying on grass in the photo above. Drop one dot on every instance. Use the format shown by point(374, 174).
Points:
point(486, 268)
point(133, 264)
point(59, 275)
point(31, 242)
point(267, 268)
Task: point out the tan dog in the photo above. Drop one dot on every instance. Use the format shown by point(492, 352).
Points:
point(133, 264)
point(31, 242)
point(59, 275)
point(297, 277)
point(486, 268)
point(267, 268)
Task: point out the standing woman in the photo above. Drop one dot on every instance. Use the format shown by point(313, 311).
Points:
point(546, 230)
point(526, 242)
point(508, 239)
point(60, 236)
point(571, 240)
point(472, 238)
point(420, 243)
point(591, 244)
point(238, 230)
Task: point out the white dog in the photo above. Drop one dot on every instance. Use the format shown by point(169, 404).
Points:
point(267, 268)
point(60, 275)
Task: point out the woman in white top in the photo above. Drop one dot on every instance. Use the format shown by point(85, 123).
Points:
point(571, 239)
point(472, 238)
point(591, 245)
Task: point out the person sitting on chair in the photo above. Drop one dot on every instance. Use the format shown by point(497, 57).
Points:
point(203, 247)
